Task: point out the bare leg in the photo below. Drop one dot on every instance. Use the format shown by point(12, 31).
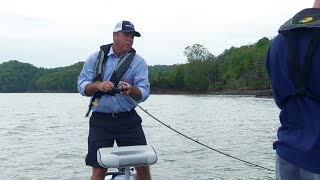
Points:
point(143, 173)
point(98, 173)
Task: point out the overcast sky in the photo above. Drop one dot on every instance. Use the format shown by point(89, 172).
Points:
point(57, 33)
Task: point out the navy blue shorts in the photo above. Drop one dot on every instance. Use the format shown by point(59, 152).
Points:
point(105, 129)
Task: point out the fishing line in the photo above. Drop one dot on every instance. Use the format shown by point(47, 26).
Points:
point(247, 162)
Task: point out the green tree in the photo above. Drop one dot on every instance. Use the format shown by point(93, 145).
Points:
point(196, 52)
point(176, 77)
point(196, 76)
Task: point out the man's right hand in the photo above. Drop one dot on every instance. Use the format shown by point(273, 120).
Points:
point(104, 86)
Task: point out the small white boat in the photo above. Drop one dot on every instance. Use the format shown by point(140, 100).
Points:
point(125, 157)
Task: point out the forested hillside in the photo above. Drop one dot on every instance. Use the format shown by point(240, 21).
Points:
point(23, 77)
point(235, 69)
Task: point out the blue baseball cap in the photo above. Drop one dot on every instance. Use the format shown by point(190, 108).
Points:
point(126, 26)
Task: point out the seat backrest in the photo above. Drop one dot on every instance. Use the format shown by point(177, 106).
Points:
point(126, 156)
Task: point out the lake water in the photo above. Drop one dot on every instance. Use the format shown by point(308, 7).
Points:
point(44, 136)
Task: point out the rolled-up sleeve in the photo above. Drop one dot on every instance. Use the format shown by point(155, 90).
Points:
point(87, 73)
point(141, 81)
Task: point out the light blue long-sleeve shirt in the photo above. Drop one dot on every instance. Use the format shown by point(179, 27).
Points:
point(137, 76)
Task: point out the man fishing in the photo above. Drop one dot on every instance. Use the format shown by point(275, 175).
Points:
point(114, 76)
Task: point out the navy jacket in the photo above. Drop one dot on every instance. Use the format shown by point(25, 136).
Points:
point(299, 134)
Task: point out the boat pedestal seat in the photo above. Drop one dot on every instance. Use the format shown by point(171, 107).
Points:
point(126, 156)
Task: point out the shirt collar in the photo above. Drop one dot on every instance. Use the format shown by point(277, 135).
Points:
point(111, 52)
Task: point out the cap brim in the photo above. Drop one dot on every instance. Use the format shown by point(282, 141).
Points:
point(135, 33)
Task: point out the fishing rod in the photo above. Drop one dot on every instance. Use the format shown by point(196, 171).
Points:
point(228, 155)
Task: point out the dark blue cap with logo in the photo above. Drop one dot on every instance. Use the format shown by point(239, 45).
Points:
point(126, 26)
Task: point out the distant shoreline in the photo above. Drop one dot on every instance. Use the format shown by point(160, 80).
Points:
point(254, 92)
point(267, 93)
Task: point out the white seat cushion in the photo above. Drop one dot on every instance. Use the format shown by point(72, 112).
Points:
point(126, 156)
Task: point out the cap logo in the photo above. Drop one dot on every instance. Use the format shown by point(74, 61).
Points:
point(129, 25)
point(306, 20)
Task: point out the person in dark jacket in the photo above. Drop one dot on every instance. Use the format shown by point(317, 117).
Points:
point(293, 65)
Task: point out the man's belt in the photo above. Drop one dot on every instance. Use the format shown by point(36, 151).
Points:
point(115, 114)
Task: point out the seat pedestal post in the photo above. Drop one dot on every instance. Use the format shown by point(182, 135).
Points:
point(127, 173)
